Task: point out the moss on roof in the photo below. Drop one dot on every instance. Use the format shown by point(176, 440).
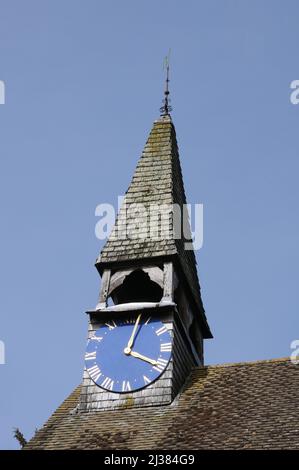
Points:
point(250, 405)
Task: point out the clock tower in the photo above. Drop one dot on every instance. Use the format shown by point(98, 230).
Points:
point(145, 385)
point(147, 330)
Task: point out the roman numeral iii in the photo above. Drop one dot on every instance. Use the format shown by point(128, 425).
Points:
point(161, 364)
point(165, 347)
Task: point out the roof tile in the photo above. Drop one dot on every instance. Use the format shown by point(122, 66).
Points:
point(229, 406)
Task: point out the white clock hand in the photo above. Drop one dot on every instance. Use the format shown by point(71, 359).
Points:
point(143, 358)
point(127, 350)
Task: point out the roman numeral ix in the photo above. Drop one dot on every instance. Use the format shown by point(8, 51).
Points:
point(89, 356)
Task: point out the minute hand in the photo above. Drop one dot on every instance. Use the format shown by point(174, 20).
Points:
point(143, 358)
point(131, 340)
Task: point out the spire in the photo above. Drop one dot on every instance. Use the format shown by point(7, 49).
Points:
point(166, 108)
point(157, 181)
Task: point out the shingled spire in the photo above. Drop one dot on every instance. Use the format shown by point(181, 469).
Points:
point(157, 181)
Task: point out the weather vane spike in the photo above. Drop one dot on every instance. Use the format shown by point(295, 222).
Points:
point(166, 108)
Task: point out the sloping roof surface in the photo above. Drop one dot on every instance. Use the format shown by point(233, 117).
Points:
point(231, 406)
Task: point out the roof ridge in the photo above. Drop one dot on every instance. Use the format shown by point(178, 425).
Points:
point(245, 363)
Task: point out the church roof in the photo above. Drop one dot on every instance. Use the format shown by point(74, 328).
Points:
point(157, 181)
point(251, 405)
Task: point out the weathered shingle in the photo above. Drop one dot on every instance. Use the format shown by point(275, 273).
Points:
point(157, 181)
point(231, 406)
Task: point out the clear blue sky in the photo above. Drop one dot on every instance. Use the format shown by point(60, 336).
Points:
point(84, 83)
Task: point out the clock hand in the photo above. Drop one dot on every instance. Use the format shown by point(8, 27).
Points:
point(143, 358)
point(127, 350)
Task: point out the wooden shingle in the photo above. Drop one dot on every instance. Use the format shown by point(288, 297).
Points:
point(157, 181)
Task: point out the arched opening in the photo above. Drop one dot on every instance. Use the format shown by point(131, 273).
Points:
point(137, 287)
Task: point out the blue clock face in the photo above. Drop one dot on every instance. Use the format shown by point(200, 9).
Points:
point(127, 355)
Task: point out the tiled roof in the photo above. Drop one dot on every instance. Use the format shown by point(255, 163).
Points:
point(250, 405)
point(157, 181)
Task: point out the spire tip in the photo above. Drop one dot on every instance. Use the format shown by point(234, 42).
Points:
point(166, 108)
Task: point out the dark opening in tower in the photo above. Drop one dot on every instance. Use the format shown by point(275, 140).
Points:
point(137, 287)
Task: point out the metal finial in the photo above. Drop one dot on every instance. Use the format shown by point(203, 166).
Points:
point(166, 108)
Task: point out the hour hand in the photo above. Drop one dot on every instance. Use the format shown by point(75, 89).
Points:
point(143, 358)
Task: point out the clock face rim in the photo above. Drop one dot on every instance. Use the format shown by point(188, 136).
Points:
point(121, 322)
